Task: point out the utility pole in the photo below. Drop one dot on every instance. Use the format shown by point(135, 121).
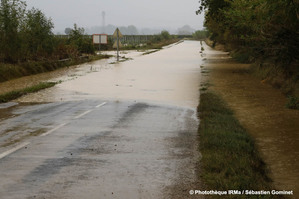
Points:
point(117, 44)
point(103, 24)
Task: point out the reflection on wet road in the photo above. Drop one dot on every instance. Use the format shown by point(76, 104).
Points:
point(92, 149)
point(126, 130)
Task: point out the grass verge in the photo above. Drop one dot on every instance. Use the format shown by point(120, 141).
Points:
point(150, 52)
point(11, 71)
point(282, 76)
point(230, 160)
point(151, 45)
point(18, 93)
point(286, 80)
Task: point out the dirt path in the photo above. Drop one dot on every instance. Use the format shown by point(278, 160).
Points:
point(260, 109)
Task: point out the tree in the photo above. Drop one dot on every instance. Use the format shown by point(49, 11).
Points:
point(281, 29)
point(11, 15)
point(132, 30)
point(78, 39)
point(214, 17)
point(200, 34)
point(67, 31)
point(185, 30)
point(165, 35)
point(257, 27)
point(38, 34)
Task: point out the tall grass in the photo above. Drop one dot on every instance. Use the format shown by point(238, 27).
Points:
point(287, 81)
point(19, 93)
point(230, 160)
point(11, 71)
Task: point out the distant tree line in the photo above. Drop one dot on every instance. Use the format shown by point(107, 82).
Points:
point(260, 27)
point(133, 30)
point(200, 34)
point(27, 35)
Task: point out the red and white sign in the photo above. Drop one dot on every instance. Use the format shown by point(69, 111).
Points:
point(100, 38)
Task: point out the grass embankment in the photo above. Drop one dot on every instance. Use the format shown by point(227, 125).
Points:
point(12, 71)
point(283, 76)
point(161, 44)
point(19, 93)
point(230, 160)
point(151, 45)
point(286, 79)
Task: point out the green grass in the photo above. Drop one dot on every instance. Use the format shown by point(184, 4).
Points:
point(150, 45)
point(12, 71)
point(241, 56)
point(19, 93)
point(287, 81)
point(292, 103)
point(150, 52)
point(230, 160)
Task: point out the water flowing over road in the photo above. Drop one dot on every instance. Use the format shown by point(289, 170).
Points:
point(109, 130)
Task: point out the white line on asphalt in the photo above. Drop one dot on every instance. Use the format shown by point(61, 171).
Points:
point(2, 155)
point(81, 115)
point(51, 131)
point(100, 105)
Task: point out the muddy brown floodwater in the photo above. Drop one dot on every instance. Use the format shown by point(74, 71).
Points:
point(62, 74)
point(261, 109)
point(109, 130)
point(150, 78)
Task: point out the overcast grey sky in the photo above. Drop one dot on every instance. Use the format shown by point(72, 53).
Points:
point(141, 13)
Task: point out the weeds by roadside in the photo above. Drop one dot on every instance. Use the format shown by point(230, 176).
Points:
point(277, 76)
point(293, 103)
point(11, 71)
point(230, 160)
point(150, 52)
point(19, 93)
point(282, 76)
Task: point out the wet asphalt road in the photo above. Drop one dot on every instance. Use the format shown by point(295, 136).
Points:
point(94, 137)
point(97, 149)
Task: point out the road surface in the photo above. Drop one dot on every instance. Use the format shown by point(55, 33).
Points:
point(126, 130)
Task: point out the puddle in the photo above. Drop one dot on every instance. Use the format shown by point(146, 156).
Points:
point(261, 109)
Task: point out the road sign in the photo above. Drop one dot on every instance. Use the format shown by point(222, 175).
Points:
point(119, 44)
point(115, 35)
point(100, 38)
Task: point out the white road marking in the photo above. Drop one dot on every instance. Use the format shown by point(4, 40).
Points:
point(2, 155)
point(100, 105)
point(86, 112)
point(81, 115)
point(51, 131)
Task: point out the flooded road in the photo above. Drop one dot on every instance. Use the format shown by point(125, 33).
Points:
point(109, 130)
point(170, 76)
point(261, 109)
point(62, 74)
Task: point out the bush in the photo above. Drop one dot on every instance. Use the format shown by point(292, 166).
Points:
point(165, 35)
point(200, 35)
point(78, 39)
point(293, 103)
